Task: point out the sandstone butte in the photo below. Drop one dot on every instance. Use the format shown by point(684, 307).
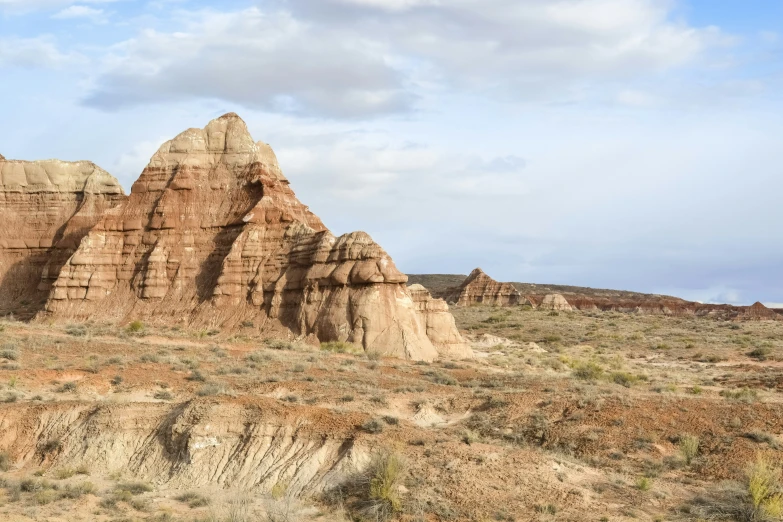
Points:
point(46, 208)
point(479, 288)
point(212, 235)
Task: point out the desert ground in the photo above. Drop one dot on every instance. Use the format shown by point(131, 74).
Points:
point(560, 416)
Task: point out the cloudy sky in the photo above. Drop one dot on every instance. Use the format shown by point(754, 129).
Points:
point(632, 144)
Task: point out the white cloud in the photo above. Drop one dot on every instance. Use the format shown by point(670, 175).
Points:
point(26, 6)
point(264, 60)
point(528, 49)
point(34, 52)
point(81, 11)
point(357, 58)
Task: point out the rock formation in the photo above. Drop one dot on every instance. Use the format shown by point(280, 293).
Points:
point(759, 312)
point(46, 208)
point(440, 325)
point(213, 235)
point(479, 288)
point(555, 302)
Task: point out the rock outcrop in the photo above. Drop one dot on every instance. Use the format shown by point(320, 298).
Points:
point(440, 325)
point(555, 302)
point(46, 208)
point(759, 312)
point(479, 288)
point(213, 235)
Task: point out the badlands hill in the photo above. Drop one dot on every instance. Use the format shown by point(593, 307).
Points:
point(212, 235)
point(479, 288)
point(46, 208)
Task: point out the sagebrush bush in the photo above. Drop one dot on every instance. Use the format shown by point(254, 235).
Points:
point(135, 327)
point(587, 371)
point(765, 489)
point(689, 447)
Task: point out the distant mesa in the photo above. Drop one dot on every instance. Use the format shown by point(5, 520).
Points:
point(211, 236)
point(480, 289)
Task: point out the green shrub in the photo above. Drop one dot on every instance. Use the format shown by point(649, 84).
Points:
point(624, 379)
point(587, 371)
point(341, 347)
point(761, 354)
point(742, 395)
point(765, 489)
point(374, 426)
point(386, 475)
point(135, 327)
point(689, 447)
point(134, 488)
point(211, 389)
point(9, 354)
point(442, 378)
point(193, 500)
point(67, 387)
point(76, 330)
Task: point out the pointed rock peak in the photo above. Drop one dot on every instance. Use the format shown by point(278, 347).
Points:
point(230, 116)
point(224, 140)
point(758, 306)
point(475, 274)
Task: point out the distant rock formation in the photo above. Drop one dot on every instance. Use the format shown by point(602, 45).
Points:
point(479, 288)
point(46, 208)
point(213, 235)
point(759, 312)
point(555, 302)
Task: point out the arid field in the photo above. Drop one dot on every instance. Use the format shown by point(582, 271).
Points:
point(561, 416)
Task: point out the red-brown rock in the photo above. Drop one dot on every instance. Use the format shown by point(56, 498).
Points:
point(479, 288)
point(46, 208)
point(213, 235)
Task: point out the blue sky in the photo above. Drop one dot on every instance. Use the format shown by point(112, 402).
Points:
point(631, 144)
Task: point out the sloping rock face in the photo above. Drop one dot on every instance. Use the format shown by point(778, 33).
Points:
point(46, 208)
point(213, 235)
point(479, 288)
point(759, 312)
point(555, 302)
point(440, 325)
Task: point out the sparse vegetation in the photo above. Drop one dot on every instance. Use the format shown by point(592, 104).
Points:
point(135, 327)
point(587, 371)
point(341, 347)
point(689, 447)
point(742, 395)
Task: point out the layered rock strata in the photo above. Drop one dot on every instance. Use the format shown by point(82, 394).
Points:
point(479, 288)
point(213, 235)
point(555, 302)
point(440, 324)
point(46, 208)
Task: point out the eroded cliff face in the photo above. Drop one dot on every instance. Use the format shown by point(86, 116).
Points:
point(213, 235)
point(46, 208)
point(479, 288)
point(440, 324)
